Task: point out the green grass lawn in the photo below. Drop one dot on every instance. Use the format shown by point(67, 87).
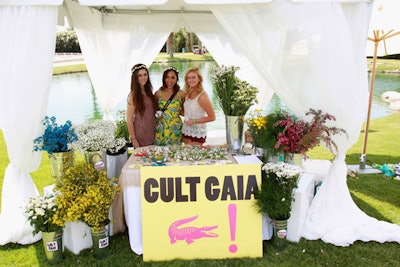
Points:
point(375, 194)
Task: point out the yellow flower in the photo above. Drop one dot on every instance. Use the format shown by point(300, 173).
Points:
point(85, 194)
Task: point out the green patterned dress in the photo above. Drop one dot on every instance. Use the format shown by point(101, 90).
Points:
point(169, 127)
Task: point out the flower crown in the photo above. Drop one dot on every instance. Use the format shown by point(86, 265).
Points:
point(142, 66)
point(172, 68)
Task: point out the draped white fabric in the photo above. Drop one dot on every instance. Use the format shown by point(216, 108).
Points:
point(113, 43)
point(296, 47)
point(226, 52)
point(26, 61)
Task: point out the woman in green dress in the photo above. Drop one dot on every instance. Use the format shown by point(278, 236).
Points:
point(170, 102)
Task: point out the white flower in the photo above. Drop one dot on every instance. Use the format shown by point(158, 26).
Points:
point(39, 211)
point(95, 135)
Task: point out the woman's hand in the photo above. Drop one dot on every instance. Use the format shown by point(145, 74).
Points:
point(135, 143)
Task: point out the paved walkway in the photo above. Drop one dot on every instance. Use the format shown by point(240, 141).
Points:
point(62, 59)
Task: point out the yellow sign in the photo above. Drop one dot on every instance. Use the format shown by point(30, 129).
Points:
point(200, 212)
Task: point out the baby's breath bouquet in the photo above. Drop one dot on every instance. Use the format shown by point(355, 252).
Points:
point(40, 211)
point(234, 95)
point(55, 138)
point(84, 194)
point(276, 194)
point(93, 136)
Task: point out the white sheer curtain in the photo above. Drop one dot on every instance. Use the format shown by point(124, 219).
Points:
point(26, 61)
point(226, 52)
point(297, 48)
point(112, 43)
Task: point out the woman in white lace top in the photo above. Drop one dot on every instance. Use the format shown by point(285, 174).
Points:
point(198, 109)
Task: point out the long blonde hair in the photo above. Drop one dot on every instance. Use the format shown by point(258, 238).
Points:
point(200, 85)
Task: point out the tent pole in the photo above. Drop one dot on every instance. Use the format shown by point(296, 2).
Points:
point(363, 158)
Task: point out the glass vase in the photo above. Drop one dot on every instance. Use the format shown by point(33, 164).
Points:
point(234, 134)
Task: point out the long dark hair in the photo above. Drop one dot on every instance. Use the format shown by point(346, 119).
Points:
point(135, 94)
point(164, 85)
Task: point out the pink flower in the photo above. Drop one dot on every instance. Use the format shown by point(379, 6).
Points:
point(299, 136)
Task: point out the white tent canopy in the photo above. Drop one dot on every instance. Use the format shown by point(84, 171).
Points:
point(311, 53)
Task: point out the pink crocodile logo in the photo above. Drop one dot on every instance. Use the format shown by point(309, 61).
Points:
point(189, 233)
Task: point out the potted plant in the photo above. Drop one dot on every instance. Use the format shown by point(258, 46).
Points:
point(276, 195)
point(55, 140)
point(84, 194)
point(40, 211)
point(235, 98)
point(94, 138)
point(299, 136)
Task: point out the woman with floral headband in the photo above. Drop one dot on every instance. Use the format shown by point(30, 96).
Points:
point(197, 109)
point(141, 108)
point(170, 100)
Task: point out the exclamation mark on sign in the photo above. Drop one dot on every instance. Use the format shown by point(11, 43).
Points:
point(232, 225)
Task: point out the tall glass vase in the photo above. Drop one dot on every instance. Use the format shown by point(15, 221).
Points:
point(234, 133)
point(98, 159)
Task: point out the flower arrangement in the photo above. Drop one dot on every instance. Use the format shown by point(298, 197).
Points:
point(262, 129)
point(183, 152)
point(276, 194)
point(299, 136)
point(196, 153)
point(84, 194)
point(93, 136)
point(40, 212)
point(117, 146)
point(234, 95)
point(122, 127)
point(121, 136)
point(55, 138)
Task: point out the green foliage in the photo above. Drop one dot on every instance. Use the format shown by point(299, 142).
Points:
point(67, 42)
point(181, 40)
point(276, 194)
point(122, 127)
point(262, 128)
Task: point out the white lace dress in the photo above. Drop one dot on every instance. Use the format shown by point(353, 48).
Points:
point(194, 111)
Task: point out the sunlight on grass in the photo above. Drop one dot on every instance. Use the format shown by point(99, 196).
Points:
point(387, 210)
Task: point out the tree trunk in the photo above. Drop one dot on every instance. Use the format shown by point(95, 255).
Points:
point(170, 45)
point(191, 41)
